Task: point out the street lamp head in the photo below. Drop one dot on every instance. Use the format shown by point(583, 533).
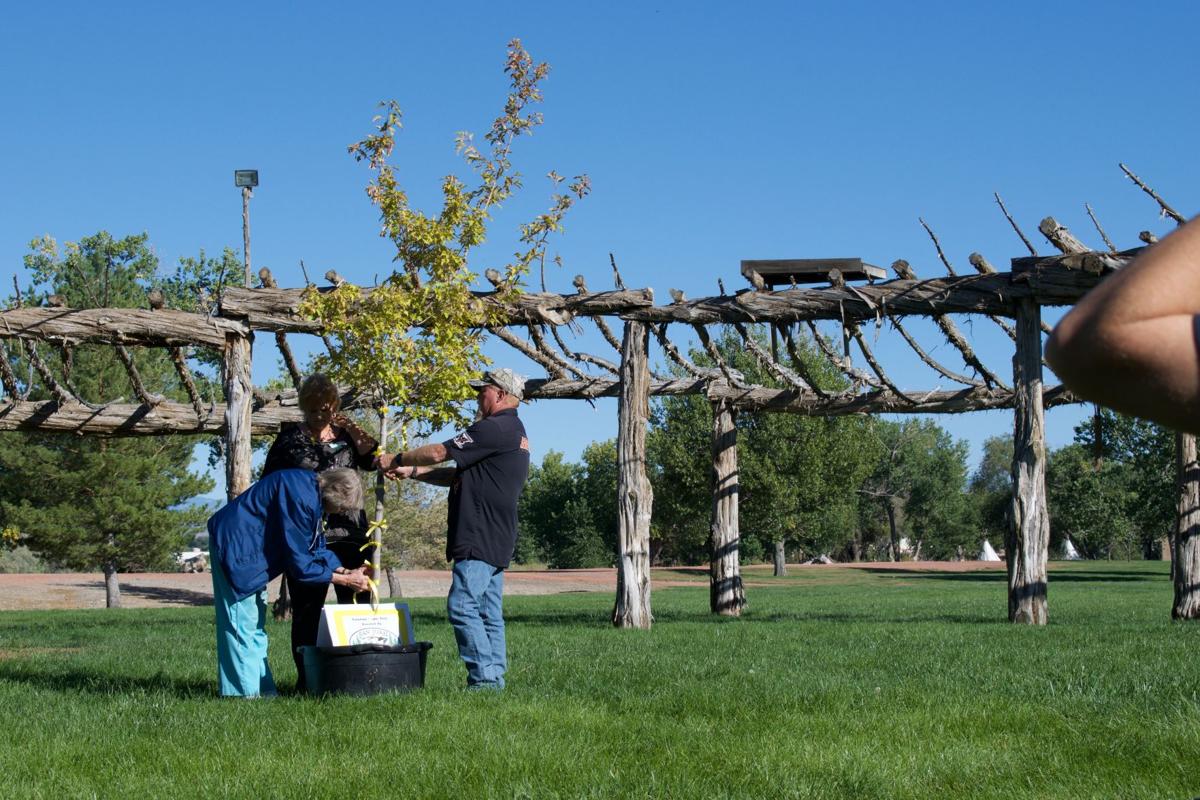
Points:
point(245, 178)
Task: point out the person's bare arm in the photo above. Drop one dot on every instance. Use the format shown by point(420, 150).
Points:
point(436, 476)
point(1129, 343)
point(423, 456)
point(363, 442)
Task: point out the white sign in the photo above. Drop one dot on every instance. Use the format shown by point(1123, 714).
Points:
point(344, 625)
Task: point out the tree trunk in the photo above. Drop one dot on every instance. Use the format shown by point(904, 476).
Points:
point(393, 584)
point(1187, 537)
point(112, 589)
point(889, 505)
point(1028, 540)
point(726, 596)
point(380, 510)
point(239, 391)
point(781, 559)
point(634, 495)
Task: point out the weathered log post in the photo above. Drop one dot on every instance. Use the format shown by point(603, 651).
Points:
point(239, 392)
point(634, 495)
point(1028, 540)
point(727, 596)
point(1186, 562)
point(780, 558)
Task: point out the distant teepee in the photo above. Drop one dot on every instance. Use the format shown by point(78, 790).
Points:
point(987, 553)
point(1069, 551)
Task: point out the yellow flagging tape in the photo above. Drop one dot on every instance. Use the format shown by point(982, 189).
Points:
point(374, 595)
point(365, 546)
point(377, 525)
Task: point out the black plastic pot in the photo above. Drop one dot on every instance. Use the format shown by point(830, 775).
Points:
point(365, 668)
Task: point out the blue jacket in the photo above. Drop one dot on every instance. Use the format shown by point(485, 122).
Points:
point(272, 527)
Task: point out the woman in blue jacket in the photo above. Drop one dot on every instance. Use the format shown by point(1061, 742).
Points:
point(273, 527)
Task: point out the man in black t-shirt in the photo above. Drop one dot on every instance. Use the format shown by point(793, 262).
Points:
point(491, 462)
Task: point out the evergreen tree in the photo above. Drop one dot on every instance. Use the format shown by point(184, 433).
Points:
point(114, 504)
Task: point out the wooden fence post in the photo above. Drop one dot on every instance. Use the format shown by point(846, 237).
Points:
point(1186, 561)
point(239, 392)
point(727, 596)
point(634, 495)
point(1028, 539)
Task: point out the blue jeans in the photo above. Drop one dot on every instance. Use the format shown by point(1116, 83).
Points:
point(475, 608)
point(242, 669)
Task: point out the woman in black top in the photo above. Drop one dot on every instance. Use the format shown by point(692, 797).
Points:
point(324, 440)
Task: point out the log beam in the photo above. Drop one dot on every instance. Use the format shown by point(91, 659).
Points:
point(996, 293)
point(126, 419)
point(131, 326)
point(277, 309)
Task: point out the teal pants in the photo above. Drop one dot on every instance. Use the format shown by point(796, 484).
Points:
point(242, 669)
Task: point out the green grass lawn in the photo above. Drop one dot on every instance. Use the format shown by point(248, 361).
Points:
point(836, 683)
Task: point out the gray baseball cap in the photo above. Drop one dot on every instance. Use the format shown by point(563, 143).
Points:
point(511, 382)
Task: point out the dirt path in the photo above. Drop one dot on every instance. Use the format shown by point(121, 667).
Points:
point(176, 589)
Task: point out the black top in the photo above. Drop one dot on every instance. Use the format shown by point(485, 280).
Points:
point(294, 448)
point(492, 460)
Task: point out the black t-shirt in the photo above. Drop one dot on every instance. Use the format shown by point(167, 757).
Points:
point(492, 460)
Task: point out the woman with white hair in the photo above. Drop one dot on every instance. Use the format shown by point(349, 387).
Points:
point(273, 527)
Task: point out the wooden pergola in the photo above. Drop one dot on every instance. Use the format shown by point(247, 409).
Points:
point(1013, 300)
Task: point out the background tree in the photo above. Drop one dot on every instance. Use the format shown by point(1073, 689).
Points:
point(1146, 453)
point(1089, 504)
point(600, 490)
point(990, 490)
point(83, 502)
point(796, 474)
point(556, 520)
point(919, 485)
point(1113, 491)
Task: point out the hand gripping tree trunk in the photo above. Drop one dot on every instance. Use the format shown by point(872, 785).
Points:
point(727, 596)
point(634, 495)
point(1186, 572)
point(1028, 537)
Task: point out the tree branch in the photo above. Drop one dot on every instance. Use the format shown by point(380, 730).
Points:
point(1013, 222)
point(1162, 204)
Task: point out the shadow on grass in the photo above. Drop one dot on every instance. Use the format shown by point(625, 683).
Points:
point(1114, 576)
point(695, 573)
point(183, 597)
point(866, 617)
point(94, 682)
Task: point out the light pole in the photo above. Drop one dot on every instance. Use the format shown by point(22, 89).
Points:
point(247, 179)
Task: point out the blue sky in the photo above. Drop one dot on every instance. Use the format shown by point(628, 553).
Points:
point(711, 132)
